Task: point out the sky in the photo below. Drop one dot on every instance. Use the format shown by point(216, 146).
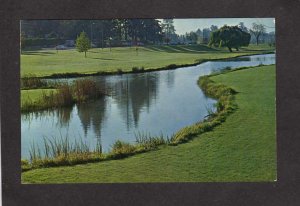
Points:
point(186, 25)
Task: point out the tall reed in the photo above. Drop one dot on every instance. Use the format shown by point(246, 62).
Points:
point(61, 151)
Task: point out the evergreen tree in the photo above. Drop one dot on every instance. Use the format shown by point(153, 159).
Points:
point(83, 43)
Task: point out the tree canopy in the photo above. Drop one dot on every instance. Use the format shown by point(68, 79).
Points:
point(257, 30)
point(83, 43)
point(230, 37)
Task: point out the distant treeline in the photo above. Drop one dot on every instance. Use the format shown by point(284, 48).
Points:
point(119, 32)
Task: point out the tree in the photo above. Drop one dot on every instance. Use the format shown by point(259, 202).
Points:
point(168, 29)
point(22, 42)
point(205, 35)
point(83, 43)
point(243, 27)
point(230, 37)
point(213, 28)
point(257, 30)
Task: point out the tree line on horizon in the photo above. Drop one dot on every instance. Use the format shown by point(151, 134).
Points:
point(125, 32)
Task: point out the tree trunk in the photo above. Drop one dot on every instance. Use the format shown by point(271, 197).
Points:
point(257, 38)
point(229, 48)
point(237, 49)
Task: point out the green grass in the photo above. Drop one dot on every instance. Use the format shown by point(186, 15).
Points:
point(79, 91)
point(48, 62)
point(243, 148)
point(33, 97)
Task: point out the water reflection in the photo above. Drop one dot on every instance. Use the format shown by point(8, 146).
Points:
point(150, 102)
point(135, 94)
point(92, 115)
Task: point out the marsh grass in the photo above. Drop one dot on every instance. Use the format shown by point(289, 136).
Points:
point(65, 95)
point(61, 151)
point(84, 89)
point(32, 82)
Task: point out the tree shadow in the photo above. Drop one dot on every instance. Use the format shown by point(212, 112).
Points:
point(39, 53)
point(181, 48)
point(108, 59)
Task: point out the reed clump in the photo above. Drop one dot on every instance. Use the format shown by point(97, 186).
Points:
point(85, 89)
point(61, 152)
point(65, 95)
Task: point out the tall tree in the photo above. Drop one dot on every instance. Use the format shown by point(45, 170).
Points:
point(83, 43)
point(205, 35)
point(168, 29)
point(257, 30)
point(213, 28)
point(230, 37)
point(242, 26)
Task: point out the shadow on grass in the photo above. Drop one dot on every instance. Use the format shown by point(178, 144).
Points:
point(181, 48)
point(39, 53)
point(108, 59)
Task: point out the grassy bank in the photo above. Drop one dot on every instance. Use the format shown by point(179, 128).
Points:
point(240, 149)
point(63, 95)
point(70, 63)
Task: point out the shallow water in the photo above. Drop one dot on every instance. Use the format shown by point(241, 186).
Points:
point(155, 103)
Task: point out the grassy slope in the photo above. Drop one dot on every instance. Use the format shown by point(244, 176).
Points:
point(47, 62)
point(241, 149)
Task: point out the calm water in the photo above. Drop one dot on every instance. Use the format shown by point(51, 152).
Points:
point(155, 103)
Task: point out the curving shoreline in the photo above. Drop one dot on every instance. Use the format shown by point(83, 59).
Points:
point(225, 106)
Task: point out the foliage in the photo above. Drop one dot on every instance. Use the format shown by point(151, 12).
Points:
point(83, 43)
point(257, 30)
point(230, 37)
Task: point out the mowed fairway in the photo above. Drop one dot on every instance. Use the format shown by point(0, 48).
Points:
point(47, 62)
point(243, 148)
